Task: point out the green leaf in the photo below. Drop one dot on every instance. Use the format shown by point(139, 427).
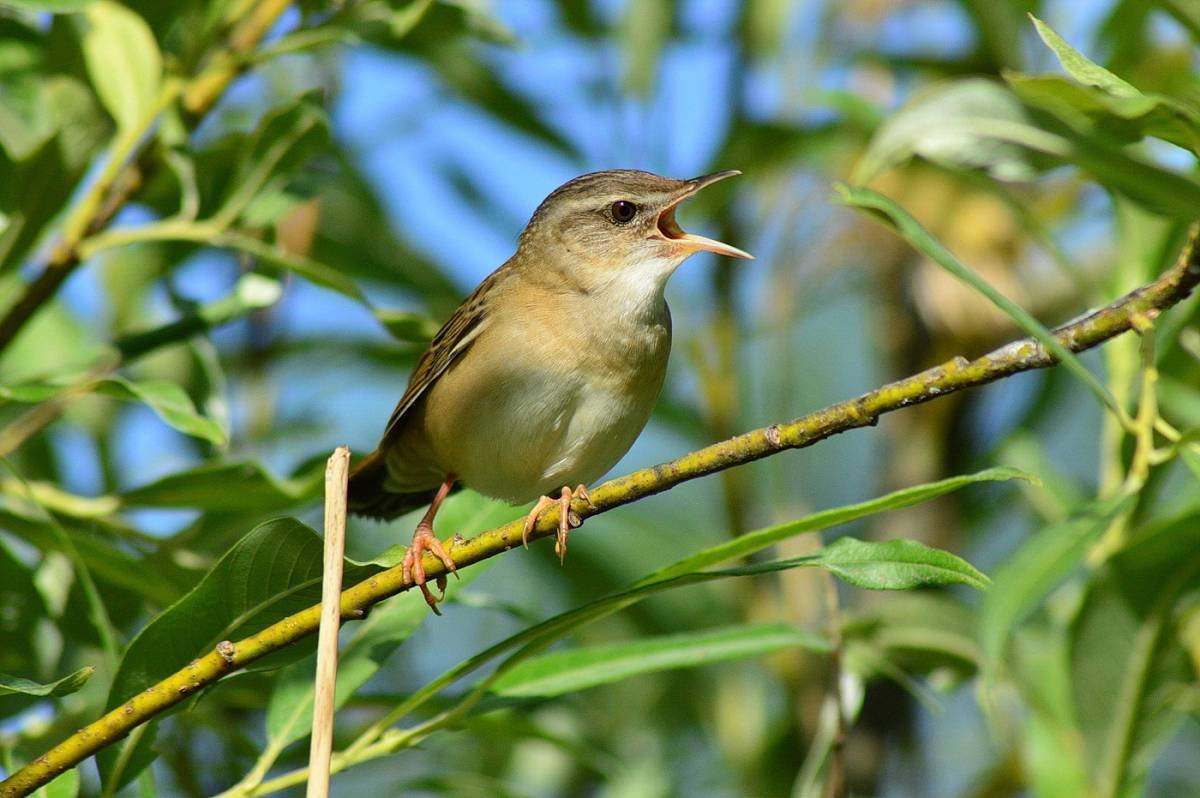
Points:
point(407, 326)
point(752, 542)
point(122, 59)
point(53, 6)
point(1127, 666)
point(272, 572)
point(229, 487)
point(911, 231)
point(1039, 565)
point(65, 785)
point(285, 139)
point(169, 402)
point(576, 669)
point(896, 565)
point(951, 125)
point(1079, 67)
point(15, 685)
point(166, 399)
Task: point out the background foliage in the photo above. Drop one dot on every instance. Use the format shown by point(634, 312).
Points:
point(291, 197)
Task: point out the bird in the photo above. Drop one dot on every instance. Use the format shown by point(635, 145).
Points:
point(545, 375)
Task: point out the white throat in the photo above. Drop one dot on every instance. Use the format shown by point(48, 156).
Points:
point(637, 291)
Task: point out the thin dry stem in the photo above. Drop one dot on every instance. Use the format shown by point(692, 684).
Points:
point(337, 472)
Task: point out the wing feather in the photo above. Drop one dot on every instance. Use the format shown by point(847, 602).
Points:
point(450, 342)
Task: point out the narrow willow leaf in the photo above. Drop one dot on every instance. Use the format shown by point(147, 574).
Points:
point(170, 402)
point(951, 125)
point(15, 685)
point(578, 669)
point(896, 565)
point(123, 60)
point(752, 542)
point(1038, 566)
point(920, 238)
point(228, 487)
point(1079, 67)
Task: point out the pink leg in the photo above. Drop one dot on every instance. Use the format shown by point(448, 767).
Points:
point(425, 540)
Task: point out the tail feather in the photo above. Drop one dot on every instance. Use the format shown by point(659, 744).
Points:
point(369, 497)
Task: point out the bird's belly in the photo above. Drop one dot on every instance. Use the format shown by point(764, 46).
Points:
point(534, 430)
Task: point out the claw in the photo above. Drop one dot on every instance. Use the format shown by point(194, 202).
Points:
point(414, 569)
point(566, 518)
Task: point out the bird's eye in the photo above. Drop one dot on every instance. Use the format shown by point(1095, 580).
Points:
point(623, 211)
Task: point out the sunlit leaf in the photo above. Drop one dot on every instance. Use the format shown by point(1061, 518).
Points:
point(752, 542)
point(576, 669)
point(896, 565)
point(123, 60)
point(1079, 67)
point(953, 125)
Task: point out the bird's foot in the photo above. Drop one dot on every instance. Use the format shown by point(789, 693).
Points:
point(564, 517)
point(414, 570)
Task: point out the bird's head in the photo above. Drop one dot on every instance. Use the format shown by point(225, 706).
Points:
point(618, 225)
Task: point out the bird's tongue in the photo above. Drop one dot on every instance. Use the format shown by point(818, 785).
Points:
point(671, 230)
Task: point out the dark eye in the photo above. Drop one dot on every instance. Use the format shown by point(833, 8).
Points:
point(623, 211)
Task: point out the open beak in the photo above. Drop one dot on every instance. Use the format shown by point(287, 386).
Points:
point(670, 230)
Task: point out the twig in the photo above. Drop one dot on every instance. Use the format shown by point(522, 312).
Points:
point(337, 472)
point(1026, 354)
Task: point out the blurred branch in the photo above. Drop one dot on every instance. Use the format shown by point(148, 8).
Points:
point(131, 161)
point(955, 375)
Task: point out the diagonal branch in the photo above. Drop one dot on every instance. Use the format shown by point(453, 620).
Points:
point(1172, 287)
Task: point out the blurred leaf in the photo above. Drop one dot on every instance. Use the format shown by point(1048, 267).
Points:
point(896, 565)
point(645, 28)
point(106, 560)
point(752, 542)
point(917, 631)
point(1079, 67)
point(286, 138)
point(65, 785)
point(227, 487)
point(1104, 97)
point(123, 60)
point(407, 326)
point(950, 125)
point(169, 402)
point(53, 6)
point(10, 685)
point(911, 231)
point(166, 399)
point(570, 671)
point(21, 607)
point(1039, 565)
point(1127, 666)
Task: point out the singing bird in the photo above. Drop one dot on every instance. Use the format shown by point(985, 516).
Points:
point(545, 375)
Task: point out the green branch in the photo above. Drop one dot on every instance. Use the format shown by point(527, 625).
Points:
point(955, 375)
